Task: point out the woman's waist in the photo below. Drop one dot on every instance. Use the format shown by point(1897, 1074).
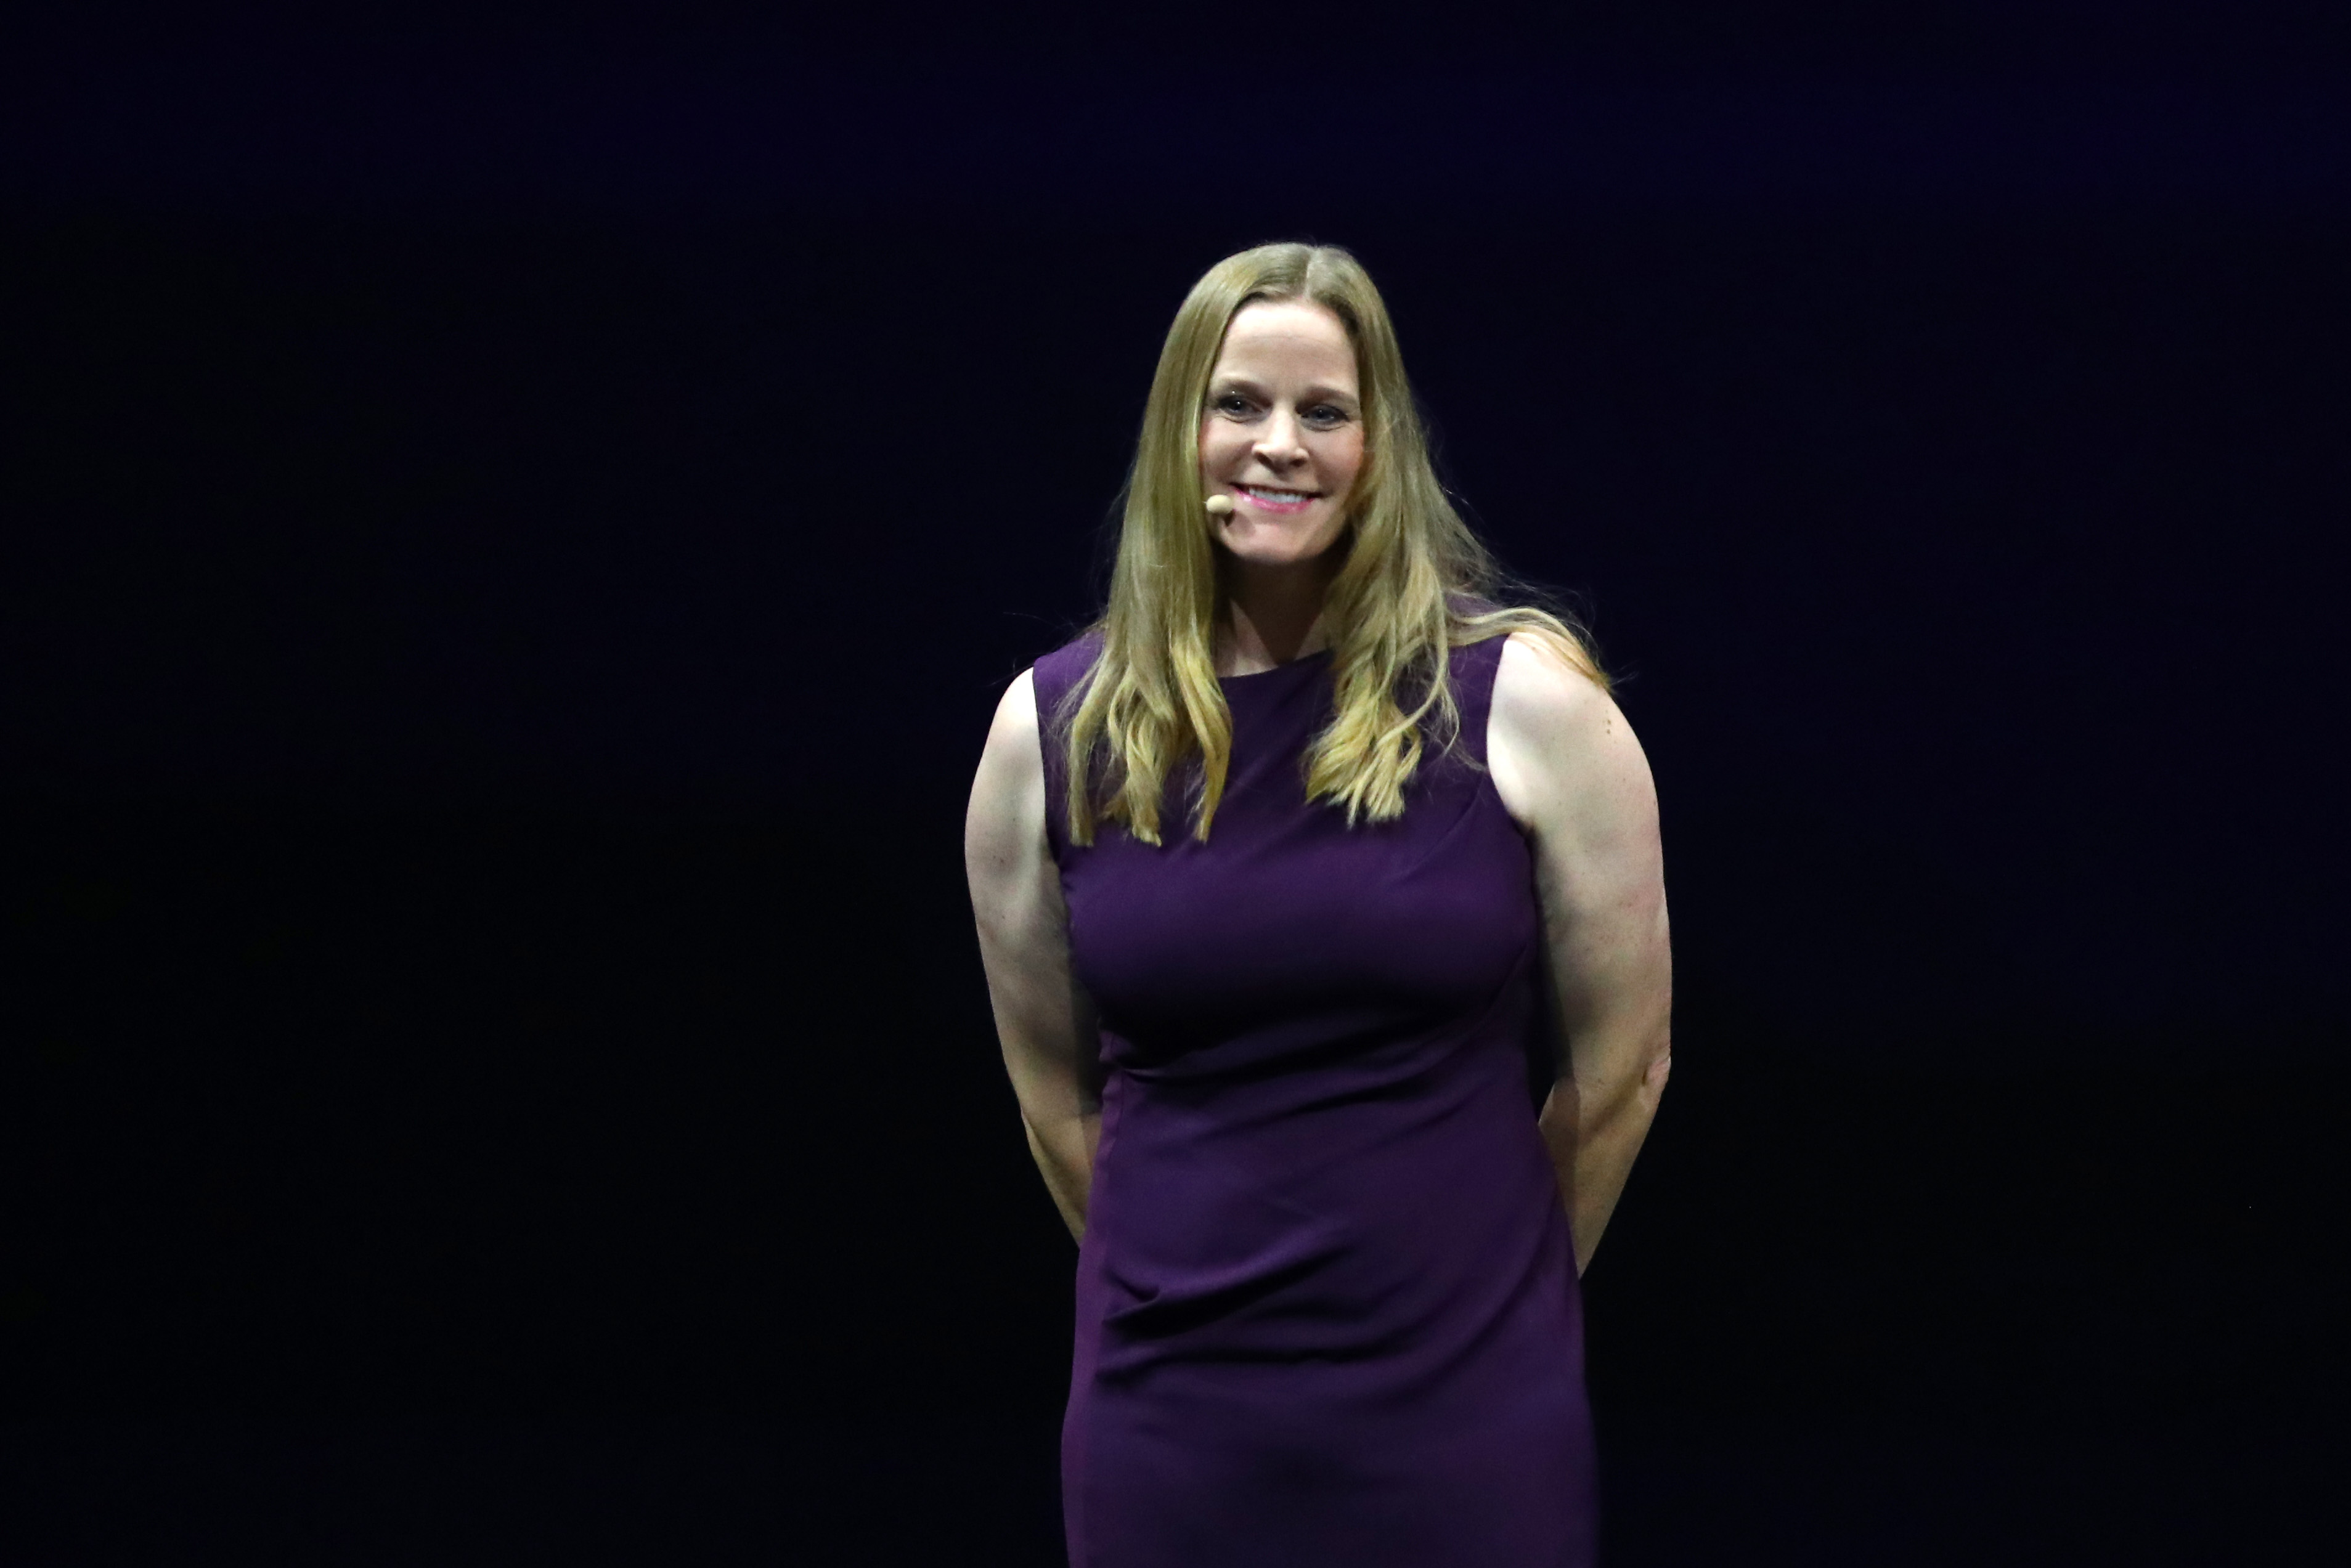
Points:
point(1180, 1205)
point(1219, 1265)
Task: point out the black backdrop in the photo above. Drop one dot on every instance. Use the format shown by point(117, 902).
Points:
point(512, 538)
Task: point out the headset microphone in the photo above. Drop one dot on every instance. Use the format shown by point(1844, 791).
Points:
point(1220, 505)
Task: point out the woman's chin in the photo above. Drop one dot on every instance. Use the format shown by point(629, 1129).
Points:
point(1271, 549)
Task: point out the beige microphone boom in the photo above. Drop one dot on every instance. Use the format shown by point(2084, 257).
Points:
point(1220, 505)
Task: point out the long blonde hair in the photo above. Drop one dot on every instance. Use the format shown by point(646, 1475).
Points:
point(1415, 584)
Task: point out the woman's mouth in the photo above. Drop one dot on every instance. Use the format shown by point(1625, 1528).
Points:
point(1267, 498)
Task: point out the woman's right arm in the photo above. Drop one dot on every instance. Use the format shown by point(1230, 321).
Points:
point(1043, 1020)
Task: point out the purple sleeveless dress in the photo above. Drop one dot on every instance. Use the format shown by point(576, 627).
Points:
point(1326, 1301)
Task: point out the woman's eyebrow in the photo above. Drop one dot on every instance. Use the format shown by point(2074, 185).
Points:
point(1231, 382)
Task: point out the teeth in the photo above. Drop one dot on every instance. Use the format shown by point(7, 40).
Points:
point(1263, 493)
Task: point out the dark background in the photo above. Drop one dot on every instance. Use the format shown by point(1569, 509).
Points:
point(512, 535)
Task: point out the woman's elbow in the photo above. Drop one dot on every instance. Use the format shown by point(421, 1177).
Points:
point(1654, 1076)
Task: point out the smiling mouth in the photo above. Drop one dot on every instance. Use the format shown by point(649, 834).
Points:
point(1266, 495)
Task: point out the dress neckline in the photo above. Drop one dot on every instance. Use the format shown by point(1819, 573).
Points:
point(1279, 669)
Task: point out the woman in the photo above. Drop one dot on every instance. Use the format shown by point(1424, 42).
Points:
point(1281, 870)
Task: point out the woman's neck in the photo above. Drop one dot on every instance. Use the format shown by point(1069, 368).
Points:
point(1273, 615)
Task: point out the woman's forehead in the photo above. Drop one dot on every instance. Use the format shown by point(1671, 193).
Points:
point(1295, 333)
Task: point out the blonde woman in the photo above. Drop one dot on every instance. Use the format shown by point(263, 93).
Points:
point(1281, 869)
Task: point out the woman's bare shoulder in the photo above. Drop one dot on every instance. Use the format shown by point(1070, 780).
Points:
point(1535, 686)
point(1553, 736)
point(1017, 708)
point(1008, 790)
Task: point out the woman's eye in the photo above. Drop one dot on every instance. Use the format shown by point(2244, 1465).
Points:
point(1325, 414)
point(1232, 403)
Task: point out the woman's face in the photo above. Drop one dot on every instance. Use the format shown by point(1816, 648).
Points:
point(1282, 433)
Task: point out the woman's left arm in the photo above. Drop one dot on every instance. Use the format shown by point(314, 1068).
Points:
point(1570, 772)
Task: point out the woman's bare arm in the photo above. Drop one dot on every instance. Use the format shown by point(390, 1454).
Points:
point(1042, 1018)
point(1570, 771)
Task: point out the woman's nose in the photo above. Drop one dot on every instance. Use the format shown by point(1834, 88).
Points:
point(1279, 445)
